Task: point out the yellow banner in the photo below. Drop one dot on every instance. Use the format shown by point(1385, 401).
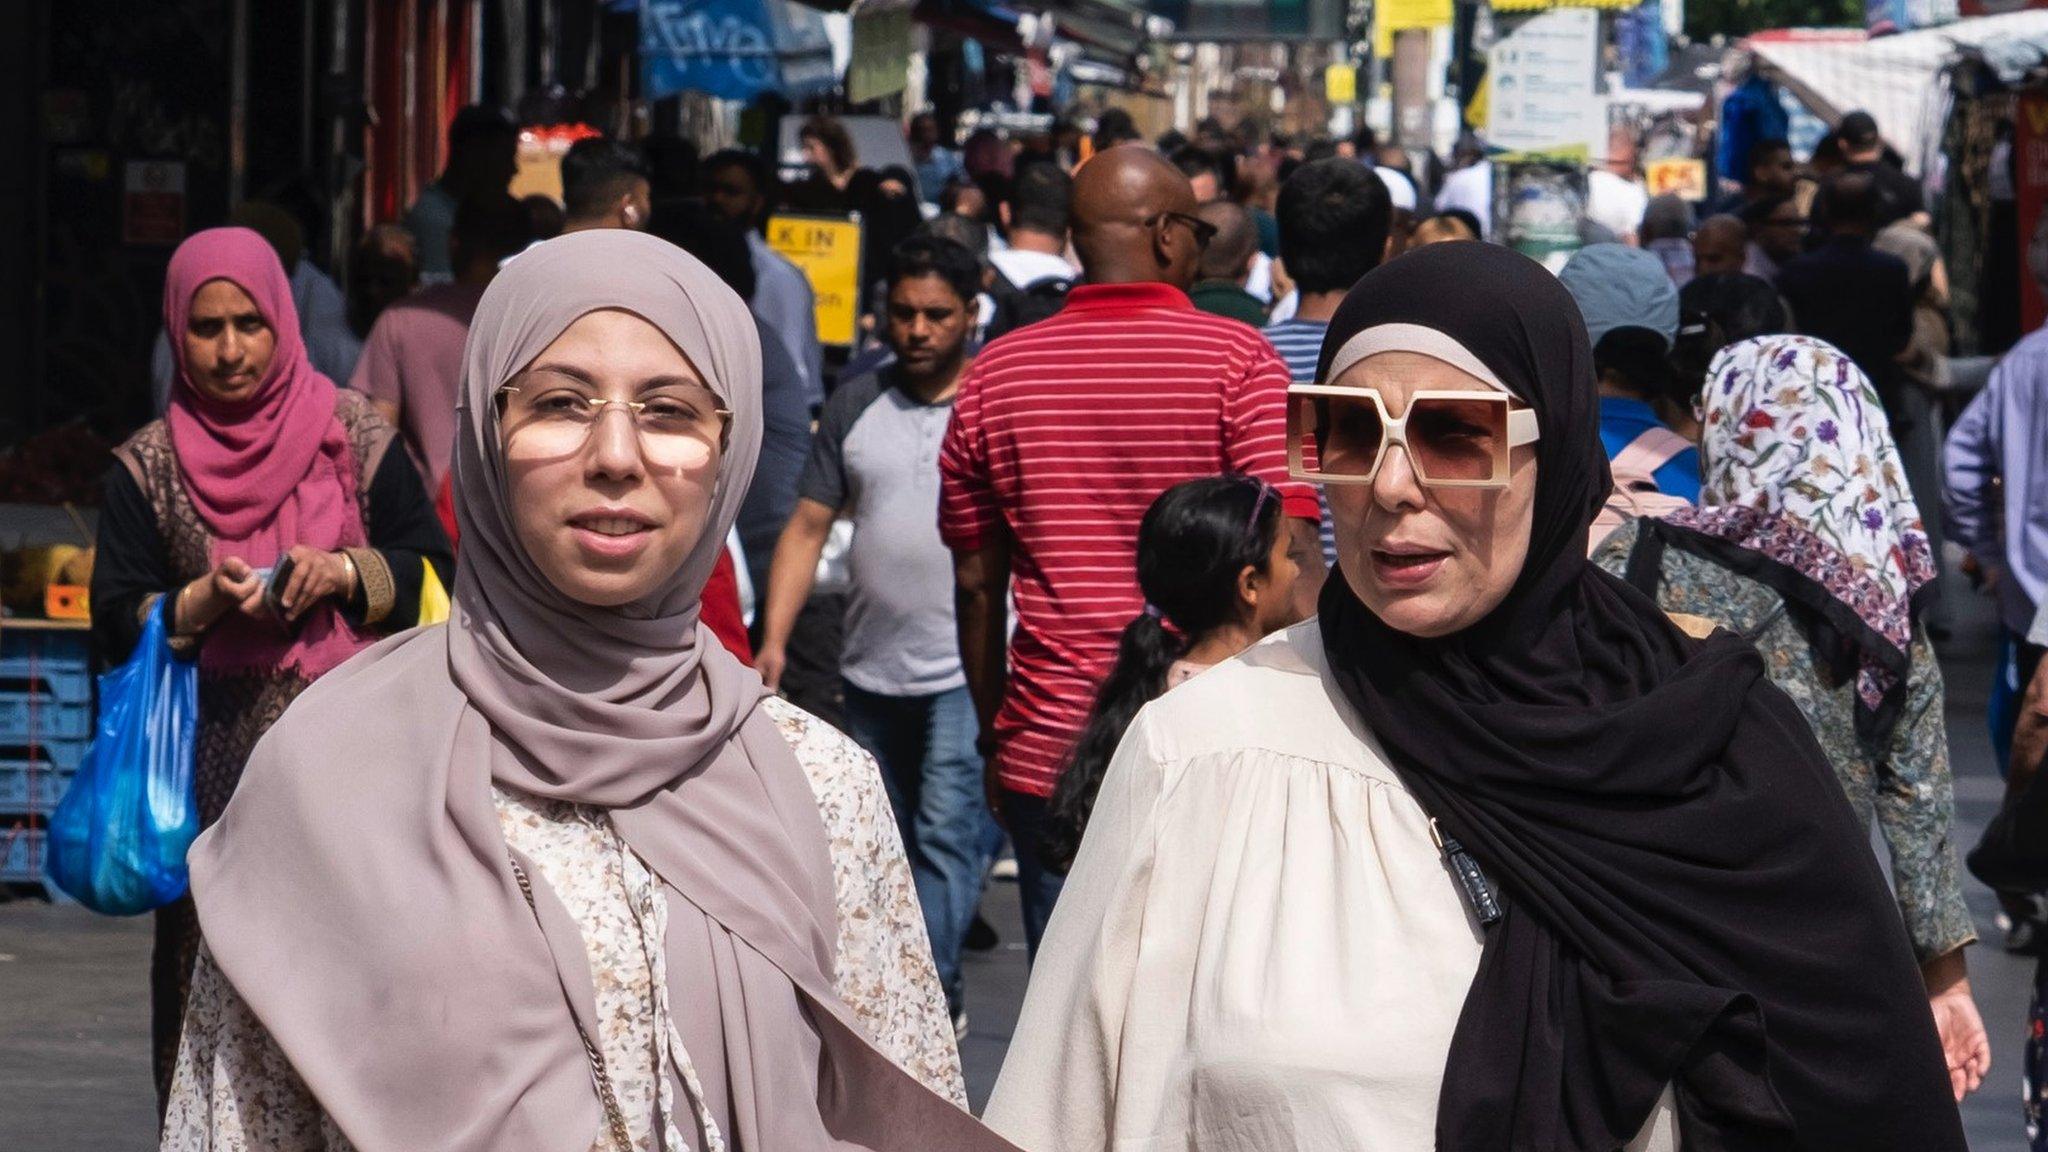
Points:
point(827, 249)
point(1391, 16)
point(1340, 84)
point(1547, 5)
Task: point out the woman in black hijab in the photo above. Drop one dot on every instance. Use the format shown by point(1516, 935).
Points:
point(1490, 856)
point(1686, 897)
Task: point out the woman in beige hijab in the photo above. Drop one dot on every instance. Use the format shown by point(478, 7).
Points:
point(561, 875)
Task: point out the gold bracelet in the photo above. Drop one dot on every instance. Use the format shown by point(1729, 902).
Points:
point(355, 578)
point(180, 622)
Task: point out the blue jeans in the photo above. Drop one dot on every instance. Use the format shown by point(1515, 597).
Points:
point(925, 745)
point(1038, 887)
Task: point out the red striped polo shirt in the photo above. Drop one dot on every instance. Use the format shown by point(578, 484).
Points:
point(1065, 432)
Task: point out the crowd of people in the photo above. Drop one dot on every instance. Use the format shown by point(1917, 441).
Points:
point(1296, 589)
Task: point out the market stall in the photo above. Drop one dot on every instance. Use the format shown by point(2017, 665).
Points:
point(1898, 79)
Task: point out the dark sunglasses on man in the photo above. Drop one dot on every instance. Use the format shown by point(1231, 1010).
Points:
point(1201, 229)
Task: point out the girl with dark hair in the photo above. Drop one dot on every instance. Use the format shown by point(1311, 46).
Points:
point(1215, 569)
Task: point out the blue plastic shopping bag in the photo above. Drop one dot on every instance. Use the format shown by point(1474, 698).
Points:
point(118, 838)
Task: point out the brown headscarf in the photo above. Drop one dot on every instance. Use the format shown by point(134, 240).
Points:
point(358, 893)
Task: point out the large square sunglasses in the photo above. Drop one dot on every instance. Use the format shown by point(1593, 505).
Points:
point(1339, 435)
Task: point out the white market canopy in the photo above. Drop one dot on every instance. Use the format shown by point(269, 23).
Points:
point(1896, 78)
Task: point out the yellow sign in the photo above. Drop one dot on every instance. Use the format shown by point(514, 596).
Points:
point(1680, 174)
point(827, 249)
point(1552, 5)
point(1391, 16)
point(1340, 84)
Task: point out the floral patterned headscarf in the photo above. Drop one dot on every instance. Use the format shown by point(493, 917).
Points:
point(1804, 483)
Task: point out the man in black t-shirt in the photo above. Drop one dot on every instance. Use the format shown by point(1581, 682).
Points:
point(1859, 299)
point(1850, 294)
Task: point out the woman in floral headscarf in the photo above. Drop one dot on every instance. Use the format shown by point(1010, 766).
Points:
point(1808, 543)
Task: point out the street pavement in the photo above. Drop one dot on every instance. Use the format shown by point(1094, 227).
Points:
point(74, 1018)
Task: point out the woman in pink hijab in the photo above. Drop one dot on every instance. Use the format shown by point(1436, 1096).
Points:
point(562, 875)
point(260, 464)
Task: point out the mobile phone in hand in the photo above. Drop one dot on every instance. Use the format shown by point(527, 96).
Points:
point(273, 589)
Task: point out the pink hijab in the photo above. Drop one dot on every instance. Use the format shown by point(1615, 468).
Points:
point(358, 895)
point(271, 471)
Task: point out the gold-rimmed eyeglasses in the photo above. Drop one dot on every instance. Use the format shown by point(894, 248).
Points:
point(550, 415)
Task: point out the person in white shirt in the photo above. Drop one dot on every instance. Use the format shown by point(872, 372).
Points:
point(1034, 219)
point(1470, 189)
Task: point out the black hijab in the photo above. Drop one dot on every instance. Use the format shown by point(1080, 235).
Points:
point(1688, 897)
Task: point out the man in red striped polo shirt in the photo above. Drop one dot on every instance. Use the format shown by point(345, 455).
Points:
point(1062, 435)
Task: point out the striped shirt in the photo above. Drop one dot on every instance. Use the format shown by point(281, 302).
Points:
point(1300, 343)
point(1063, 433)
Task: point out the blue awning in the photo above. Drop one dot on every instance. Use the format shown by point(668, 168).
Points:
point(733, 49)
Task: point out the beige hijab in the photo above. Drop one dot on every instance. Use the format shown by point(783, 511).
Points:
point(358, 892)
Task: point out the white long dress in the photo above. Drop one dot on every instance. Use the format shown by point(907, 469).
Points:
point(1259, 946)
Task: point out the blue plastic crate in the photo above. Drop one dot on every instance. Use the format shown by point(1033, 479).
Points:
point(21, 856)
point(39, 717)
point(69, 678)
point(63, 755)
point(48, 637)
point(32, 787)
point(62, 659)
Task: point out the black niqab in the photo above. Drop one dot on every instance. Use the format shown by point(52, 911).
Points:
point(1689, 898)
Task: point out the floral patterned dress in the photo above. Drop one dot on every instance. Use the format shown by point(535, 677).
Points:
point(235, 1091)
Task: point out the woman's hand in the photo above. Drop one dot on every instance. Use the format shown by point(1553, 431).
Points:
point(316, 575)
point(1964, 1044)
point(204, 601)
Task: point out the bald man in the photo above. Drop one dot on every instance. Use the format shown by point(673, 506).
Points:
point(1063, 433)
point(1134, 221)
point(1719, 244)
point(1227, 263)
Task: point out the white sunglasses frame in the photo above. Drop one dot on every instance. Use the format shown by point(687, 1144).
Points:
point(1522, 428)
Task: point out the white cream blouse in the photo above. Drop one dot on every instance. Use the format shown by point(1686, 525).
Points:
point(1259, 945)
